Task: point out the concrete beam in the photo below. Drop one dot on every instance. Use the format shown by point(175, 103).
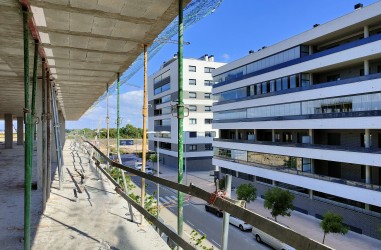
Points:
point(91, 12)
point(8, 130)
point(49, 46)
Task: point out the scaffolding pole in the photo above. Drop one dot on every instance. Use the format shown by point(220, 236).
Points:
point(180, 117)
point(144, 143)
point(57, 134)
point(108, 127)
point(28, 137)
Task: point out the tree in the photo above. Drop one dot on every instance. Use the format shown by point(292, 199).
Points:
point(279, 201)
point(332, 223)
point(246, 192)
point(221, 184)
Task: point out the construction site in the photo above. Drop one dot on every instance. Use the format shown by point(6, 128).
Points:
point(58, 59)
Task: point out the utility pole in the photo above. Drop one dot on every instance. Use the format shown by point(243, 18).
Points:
point(144, 143)
point(180, 118)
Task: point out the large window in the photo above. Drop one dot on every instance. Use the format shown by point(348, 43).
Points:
point(192, 121)
point(193, 134)
point(162, 88)
point(192, 147)
point(208, 146)
point(192, 95)
point(365, 102)
point(192, 68)
point(163, 77)
point(207, 95)
point(208, 108)
point(275, 59)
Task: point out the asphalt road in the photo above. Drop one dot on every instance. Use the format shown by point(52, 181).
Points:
point(204, 222)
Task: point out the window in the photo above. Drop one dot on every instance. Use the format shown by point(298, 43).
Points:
point(259, 91)
point(192, 147)
point(285, 82)
point(210, 134)
point(192, 121)
point(208, 121)
point(192, 81)
point(272, 86)
point(192, 108)
point(192, 68)
point(265, 86)
point(192, 134)
point(162, 88)
point(192, 95)
point(208, 83)
point(208, 70)
point(207, 95)
point(208, 146)
point(208, 108)
point(278, 83)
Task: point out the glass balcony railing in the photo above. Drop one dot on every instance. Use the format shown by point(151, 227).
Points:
point(293, 171)
point(372, 150)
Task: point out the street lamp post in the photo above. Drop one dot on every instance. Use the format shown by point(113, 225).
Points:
point(158, 165)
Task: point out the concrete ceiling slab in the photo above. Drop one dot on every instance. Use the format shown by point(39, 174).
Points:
point(86, 44)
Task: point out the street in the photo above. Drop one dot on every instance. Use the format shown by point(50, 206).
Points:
point(204, 222)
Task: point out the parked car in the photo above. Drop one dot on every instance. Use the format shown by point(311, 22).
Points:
point(243, 226)
point(138, 165)
point(212, 209)
point(149, 171)
point(261, 236)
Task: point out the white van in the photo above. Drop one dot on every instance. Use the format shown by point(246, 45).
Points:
point(261, 236)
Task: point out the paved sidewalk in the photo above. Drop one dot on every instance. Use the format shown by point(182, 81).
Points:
point(96, 219)
point(299, 222)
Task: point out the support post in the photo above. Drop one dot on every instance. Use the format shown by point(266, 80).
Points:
point(180, 114)
point(43, 136)
point(158, 175)
point(273, 135)
point(144, 143)
point(366, 67)
point(28, 134)
point(108, 126)
point(34, 89)
point(8, 133)
point(20, 130)
point(225, 223)
point(48, 135)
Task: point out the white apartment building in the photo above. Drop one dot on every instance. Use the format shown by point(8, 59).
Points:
point(305, 115)
point(198, 132)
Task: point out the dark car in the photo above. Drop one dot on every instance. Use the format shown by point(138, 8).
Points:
point(212, 209)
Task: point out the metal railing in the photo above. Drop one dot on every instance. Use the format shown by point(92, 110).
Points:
point(284, 234)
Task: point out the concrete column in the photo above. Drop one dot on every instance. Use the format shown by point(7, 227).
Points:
point(273, 182)
point(311, 79)
point(311, 49)
point(273, 135)
point(236, 134)
point(312, 166)
point(367, 138)
point(367, 207)
point(366, 67)
point(366, 31)
point(8, 133)
point(311, 193)
point(20, 130)
point(368, 178)
point(311, 135)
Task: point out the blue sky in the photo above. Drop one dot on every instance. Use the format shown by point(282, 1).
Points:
point(236, 27)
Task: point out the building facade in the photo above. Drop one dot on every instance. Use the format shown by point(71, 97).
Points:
point(198, 132)
point(305, 115)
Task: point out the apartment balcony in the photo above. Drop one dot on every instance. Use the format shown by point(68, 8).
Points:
point(354, 155)
point(366, 193)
